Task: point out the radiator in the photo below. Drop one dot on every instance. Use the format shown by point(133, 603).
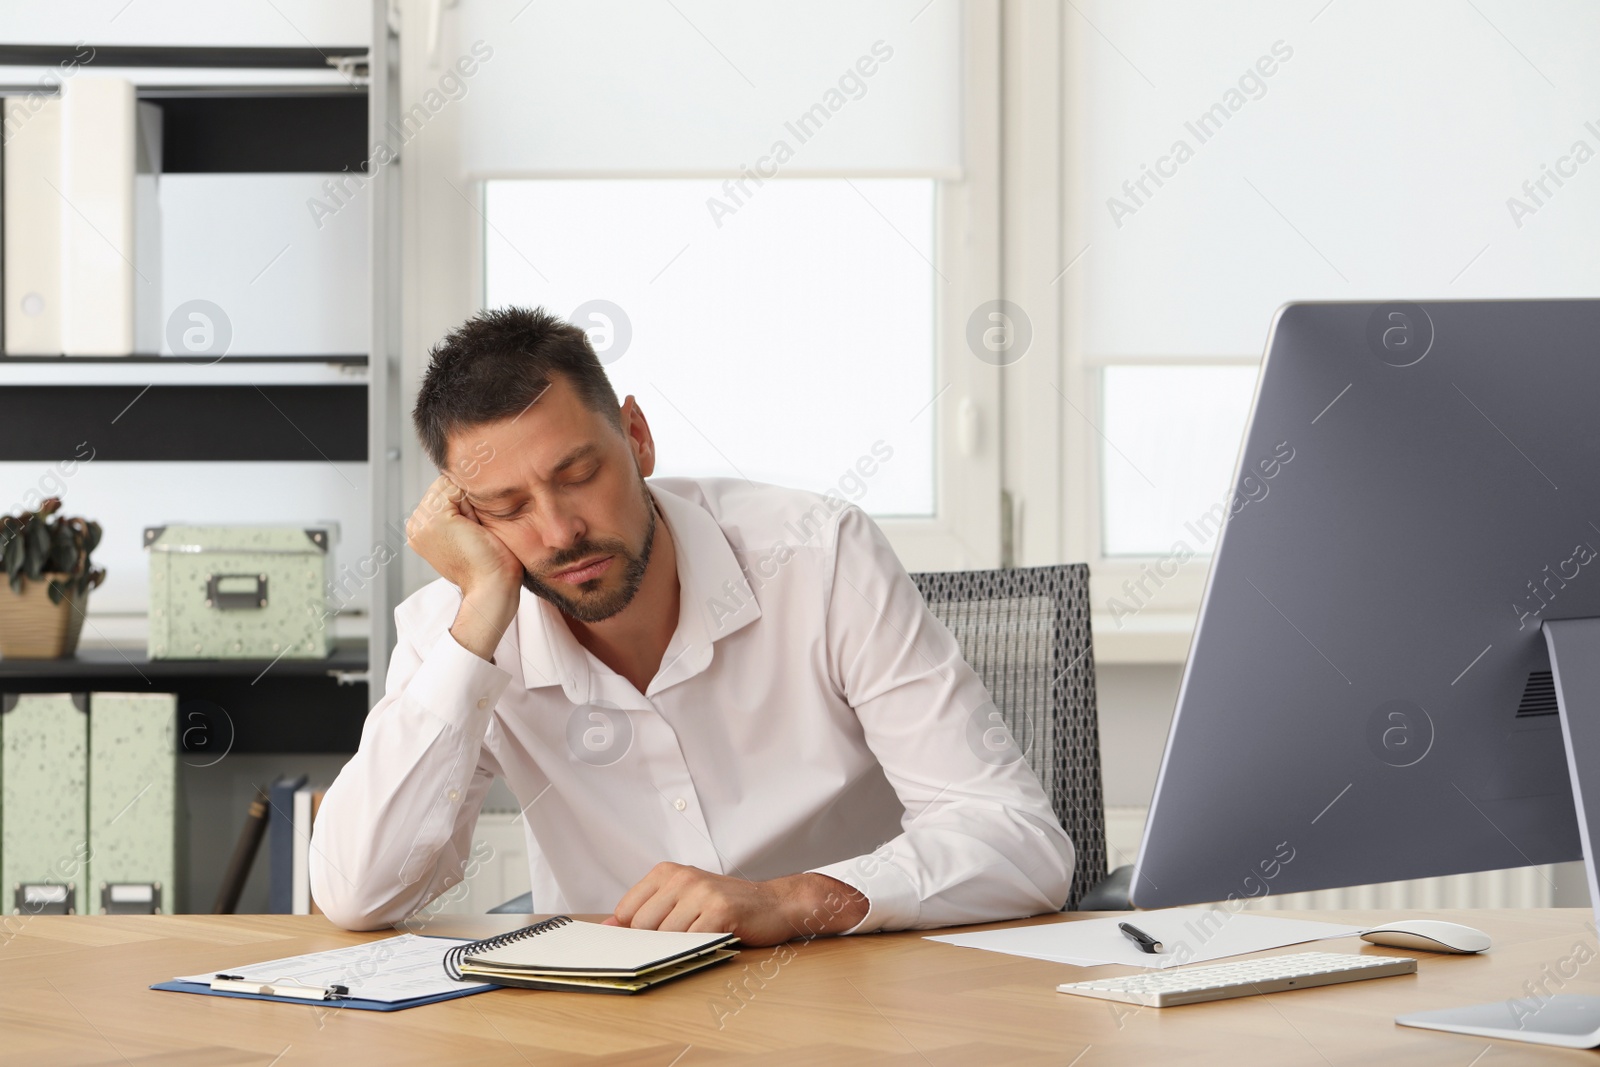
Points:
point(1519, 887)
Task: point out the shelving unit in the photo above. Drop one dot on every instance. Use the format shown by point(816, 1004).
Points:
point(239, 109)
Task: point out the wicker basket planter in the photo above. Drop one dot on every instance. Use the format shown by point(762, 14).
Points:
point(31, 627)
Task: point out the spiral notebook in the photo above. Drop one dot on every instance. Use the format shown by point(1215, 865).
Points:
point(567, 953)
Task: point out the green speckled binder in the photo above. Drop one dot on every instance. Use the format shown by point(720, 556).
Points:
point(134, 802)
point(240, 592)
point(44, 837)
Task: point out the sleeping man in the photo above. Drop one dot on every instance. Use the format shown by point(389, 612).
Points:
point(721, 705)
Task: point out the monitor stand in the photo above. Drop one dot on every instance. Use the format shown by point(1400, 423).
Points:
point(1564, 1019)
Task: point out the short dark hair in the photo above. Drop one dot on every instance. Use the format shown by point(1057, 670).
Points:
point(495, 364)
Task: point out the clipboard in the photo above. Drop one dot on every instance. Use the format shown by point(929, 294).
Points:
point(343, 1002)
point(387, 975)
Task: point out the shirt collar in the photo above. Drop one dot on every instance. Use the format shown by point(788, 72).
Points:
point(714, 600)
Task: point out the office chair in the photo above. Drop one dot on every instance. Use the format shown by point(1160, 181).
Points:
point(1025, 631)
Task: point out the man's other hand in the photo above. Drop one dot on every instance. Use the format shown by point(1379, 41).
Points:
point(675, 897)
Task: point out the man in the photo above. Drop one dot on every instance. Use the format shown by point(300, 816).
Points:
point(721, 705)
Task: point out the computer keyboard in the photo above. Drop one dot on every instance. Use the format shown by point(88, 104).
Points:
point(1241, 978)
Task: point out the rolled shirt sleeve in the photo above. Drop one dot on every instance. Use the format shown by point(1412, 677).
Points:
point(394, 829)
point(979, 841)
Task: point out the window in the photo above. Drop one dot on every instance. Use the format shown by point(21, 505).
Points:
point(776, 332)
point(1167, 460)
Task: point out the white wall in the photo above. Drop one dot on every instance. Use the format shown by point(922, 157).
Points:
point(1136, 704)
point(1376, 160)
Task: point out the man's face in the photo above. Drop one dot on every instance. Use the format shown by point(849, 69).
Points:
point(566, 494)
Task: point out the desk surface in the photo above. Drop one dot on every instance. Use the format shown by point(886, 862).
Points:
point(73, 990)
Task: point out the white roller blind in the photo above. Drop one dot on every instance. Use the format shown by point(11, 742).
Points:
point(1362, 149)
point(618, 87)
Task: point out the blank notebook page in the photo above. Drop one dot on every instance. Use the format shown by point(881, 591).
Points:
point(582, 946)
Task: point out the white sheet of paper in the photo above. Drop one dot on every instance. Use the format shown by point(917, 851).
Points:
point(394, 969)
point(1187, 935)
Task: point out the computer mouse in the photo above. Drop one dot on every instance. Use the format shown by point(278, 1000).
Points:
point(1428, 935)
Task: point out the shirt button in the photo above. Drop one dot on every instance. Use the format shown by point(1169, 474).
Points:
point(483, 704)
point(680, 803)
point(455, 794)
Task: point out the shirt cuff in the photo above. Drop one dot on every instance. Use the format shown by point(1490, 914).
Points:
point(892, 899)
point(456, 685)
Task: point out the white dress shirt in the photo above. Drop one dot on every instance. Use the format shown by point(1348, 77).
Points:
point(810, 714)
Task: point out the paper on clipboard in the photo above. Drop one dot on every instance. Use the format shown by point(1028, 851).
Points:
point(392, 970)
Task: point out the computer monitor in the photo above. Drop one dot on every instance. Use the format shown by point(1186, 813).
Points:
point(1368, 696)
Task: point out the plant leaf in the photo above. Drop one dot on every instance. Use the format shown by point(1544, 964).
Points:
point(15, 556)
point(55, 592)
point(38, 547)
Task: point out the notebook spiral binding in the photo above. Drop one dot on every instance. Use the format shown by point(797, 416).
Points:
point(452, 958)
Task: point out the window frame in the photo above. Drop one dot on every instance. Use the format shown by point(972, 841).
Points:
point(1053, 400)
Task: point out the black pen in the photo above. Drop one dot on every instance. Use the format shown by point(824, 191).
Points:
point(1145, 942)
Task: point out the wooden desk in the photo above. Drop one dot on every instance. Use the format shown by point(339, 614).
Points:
point(73, 990)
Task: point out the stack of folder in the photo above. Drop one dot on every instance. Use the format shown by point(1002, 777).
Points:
point(82, 222)
point(91, 819)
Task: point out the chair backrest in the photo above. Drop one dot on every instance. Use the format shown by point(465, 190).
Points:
point(1025, 631)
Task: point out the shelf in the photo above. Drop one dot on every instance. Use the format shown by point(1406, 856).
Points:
point(81, 371)
point(159, 422)
point(224, 706)
point(276, 76)
point(179, 83)
point(348, 360)
point(132, 662)
point(224, 57)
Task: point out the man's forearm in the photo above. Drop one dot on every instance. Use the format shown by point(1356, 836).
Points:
point(482, 621)
point(819, 904)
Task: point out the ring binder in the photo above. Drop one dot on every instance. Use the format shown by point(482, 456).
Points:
point(452, 958)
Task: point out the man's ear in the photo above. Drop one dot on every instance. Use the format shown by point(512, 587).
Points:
point(636, 428)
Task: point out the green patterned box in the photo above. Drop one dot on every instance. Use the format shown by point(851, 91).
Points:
point(45, 838)
point(136, 829)
point(240, 592)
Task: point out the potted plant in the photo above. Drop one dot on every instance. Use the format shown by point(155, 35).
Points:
point(46, 560)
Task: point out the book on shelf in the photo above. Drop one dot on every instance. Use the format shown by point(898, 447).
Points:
point(280, 843)
point(244, 855)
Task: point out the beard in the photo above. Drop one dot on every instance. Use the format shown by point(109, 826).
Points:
point(587, 604)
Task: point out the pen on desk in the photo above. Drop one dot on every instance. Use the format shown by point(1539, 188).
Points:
point(1145, 942)
point(238, 983)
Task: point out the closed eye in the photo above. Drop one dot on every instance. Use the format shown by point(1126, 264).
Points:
point(514, 512)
